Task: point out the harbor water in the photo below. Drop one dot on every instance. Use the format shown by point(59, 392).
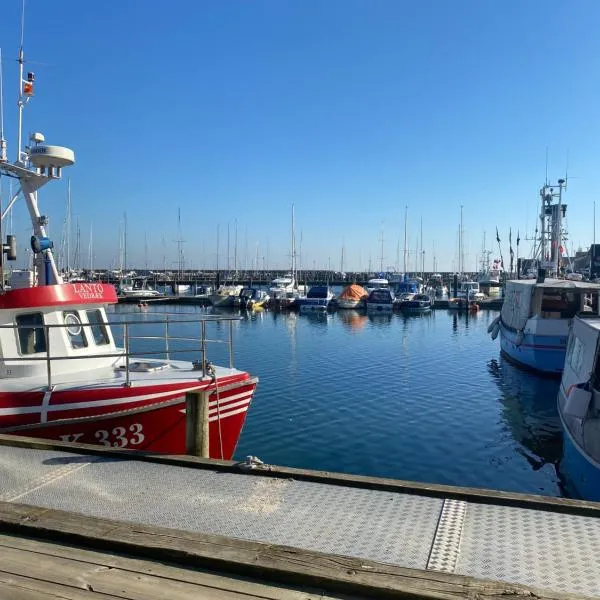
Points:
point(426, 397)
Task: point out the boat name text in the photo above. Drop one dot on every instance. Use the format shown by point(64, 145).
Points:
point(89, 291)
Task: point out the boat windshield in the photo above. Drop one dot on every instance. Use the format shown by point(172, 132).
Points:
point(318, 292)
point(380, 295)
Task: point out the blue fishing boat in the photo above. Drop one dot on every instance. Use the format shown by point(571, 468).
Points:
point(535, 319)
point(579, 409)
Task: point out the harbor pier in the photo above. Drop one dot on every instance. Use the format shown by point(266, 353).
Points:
point(86, 522)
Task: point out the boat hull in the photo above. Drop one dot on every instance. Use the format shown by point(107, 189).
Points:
point(543, 353)
point(149, 418)
point(415, 309)
point(375, 307)
point(581, 472)
point(347, 303)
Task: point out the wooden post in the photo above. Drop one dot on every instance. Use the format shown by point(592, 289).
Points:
point(197, 427)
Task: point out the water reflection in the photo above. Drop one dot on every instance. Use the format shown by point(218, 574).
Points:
point(379, 319)
point(352, 320)
point(529, 412)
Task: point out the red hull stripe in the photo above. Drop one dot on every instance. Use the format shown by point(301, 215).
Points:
point(7, 399)
point(121, 402)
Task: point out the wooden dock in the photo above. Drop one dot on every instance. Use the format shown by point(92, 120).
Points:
point(86, 522)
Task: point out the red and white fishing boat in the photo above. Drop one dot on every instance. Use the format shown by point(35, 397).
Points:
point(63, 373)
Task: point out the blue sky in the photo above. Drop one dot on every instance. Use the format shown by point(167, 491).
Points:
point(233, 110)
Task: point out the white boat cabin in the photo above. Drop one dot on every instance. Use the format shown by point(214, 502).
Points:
point(61, 327)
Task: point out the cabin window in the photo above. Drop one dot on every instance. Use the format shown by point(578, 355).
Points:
point(74, 329)
point(97, 327)
point(575, 354)
point(32, 337)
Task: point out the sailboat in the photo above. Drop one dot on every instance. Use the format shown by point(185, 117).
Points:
point(284, 291)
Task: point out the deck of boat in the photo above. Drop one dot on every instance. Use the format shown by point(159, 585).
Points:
point(91, 522)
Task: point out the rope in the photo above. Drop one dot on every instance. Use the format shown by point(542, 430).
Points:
point(211, 369)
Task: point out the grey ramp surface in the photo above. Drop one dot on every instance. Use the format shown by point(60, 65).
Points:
point(538, 548)
point(374, 525)
point(544, 549)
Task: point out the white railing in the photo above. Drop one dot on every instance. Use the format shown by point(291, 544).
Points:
point(127, 336)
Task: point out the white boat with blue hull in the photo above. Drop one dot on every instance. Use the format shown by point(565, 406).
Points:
point(317, 300)
point(579, 409)
point(535, 319)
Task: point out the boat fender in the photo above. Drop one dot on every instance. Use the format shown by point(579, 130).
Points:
point(519, 338)
point(495, 331)
point(493, 324)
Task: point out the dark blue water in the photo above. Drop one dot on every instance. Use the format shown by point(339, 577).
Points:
point(426, 398)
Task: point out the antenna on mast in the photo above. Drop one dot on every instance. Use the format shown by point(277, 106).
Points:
point(3, 156)
point(25, 87)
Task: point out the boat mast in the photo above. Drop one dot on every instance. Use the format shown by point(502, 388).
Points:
point(293, 247)
point(381, 257)
point(22, 98)
point(3, 156)
point(422, 253)
point(90, 249)
point(68, 261)
point(405, 238)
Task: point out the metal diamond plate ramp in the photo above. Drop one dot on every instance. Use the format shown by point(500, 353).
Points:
point(379, 526)
point(539, 548)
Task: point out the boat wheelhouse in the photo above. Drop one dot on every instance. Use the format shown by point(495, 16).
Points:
point(377, 283)
point(535, 319)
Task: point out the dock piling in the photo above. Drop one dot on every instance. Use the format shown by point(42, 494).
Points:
point(197, 430)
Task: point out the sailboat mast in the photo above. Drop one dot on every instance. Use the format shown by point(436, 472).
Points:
point(90, 249)
point(405, 238)
point(422, 253)
point(235, 248)
point(125, 242)
point(460, 243)
point(293, 245)
point(381, 257)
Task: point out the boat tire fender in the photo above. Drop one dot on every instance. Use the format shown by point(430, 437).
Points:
point(493, 324)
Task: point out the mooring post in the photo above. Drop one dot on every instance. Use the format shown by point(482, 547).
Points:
point(196, 420)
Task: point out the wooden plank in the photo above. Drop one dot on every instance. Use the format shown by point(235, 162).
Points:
point(272, 562)
point(14, 587)
point(70, 565)
point(467, 494)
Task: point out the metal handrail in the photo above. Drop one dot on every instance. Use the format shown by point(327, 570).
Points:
point(127, 337)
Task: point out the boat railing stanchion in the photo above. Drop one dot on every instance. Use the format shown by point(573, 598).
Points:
point(167, 337)
point(126, 341)
point(203, 346)
point(48, 360)
point(231, 344)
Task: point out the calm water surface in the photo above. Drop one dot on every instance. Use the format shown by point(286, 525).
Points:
point(426, 398)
